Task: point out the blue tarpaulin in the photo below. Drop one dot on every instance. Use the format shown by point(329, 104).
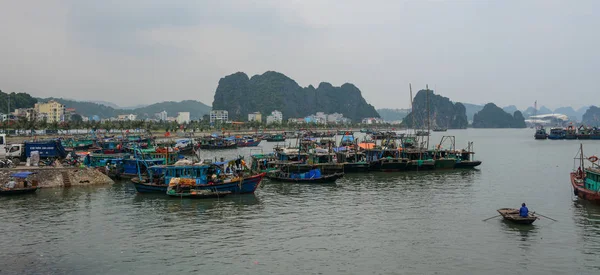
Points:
point(21, 174)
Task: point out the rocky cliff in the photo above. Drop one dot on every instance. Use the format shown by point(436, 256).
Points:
point(442, 112)
point(240, 95)
point(492, 116)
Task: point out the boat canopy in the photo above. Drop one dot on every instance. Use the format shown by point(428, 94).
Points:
point(22, 174)
point(348, 138)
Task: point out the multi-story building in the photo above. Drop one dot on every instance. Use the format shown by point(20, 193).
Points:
point(219, 115)
point(52, 110)
point(256, 116)
point(29, 113)
point(275, 117)
point(183, 117)
point(161, 116)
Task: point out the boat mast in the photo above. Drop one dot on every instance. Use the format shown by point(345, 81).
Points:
point(535, 114)
point(581, 156)
point(412, 107)
point(428, 121)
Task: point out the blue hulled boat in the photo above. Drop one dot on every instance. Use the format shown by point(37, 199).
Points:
point(214, 177)
point(557, 133)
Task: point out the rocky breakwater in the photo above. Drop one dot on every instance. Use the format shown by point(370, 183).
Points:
point(60, 177)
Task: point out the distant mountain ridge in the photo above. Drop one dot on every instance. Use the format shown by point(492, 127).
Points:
point(393, 114)
point(115, 106)
point(87, 109)
point(240, 96)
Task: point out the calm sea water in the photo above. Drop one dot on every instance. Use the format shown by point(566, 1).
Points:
point(378, 223)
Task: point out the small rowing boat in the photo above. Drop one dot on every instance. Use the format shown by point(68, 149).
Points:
point(512, 215)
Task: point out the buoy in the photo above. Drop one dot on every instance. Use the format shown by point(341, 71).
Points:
point(593, 158)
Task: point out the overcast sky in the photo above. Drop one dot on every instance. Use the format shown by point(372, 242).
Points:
point(140, 52)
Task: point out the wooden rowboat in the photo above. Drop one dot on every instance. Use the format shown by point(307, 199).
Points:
point(512, 215)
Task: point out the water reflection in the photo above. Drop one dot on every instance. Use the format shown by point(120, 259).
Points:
point(587, 219)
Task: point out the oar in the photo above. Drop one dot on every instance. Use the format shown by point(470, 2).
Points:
point(492, 217)
point(545, 216)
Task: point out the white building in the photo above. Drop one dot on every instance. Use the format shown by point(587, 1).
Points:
point(219, 115)
point(130, 117)
point(256, 116)
point(372, 120)
point(161, 116)
point(183, 117)
point(275, 117)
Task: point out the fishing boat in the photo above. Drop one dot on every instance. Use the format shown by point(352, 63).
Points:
point(247, 142)
point(571, 132)
point(512, 215)
point(19, 185)
point(540, 133)
point(583, 132)
point(440, 129)
point(586, 180)
point(186, 188)
point(275, 138)
point(422, 133)
point(386, 160)
point(212, 143)
point(214, 176)
point(557, 133)
point(312, 176)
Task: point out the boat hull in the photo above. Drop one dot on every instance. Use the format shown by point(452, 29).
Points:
point(216, 147)
point(249, 144)
point(197, 195)
point(359, 167)
point(18, 191)
point(142, 187)
point(247, 186)
point(583, 193)
point(445, 164)
point(323, 179)
point(389, 165)
point(467, 164)
point(422, 165)
point(512, 215)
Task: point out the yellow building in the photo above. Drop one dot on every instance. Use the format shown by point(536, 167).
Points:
point(51, 110)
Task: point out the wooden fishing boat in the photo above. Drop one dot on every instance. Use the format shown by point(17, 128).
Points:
point(586, 180)
point(217, 143)
point(20, 185)
point(512, 215)
point(210, 177)
point(275, 138)
point(422, 133)
point(284, 177)
point(248, 142)
point(540, 133)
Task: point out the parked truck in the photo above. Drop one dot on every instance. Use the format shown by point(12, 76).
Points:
point(20, 152)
